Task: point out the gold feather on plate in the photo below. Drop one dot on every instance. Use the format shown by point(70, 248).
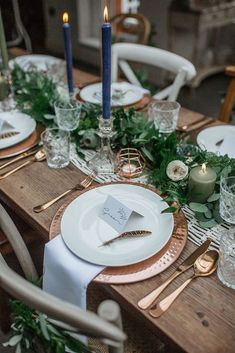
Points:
point(132, 233)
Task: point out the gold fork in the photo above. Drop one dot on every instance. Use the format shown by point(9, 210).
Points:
point(84, 184)
point(38, 157)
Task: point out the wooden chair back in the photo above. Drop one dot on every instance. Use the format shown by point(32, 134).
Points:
point(183, 69)
point(130, 28)
point(63, 314)
point(229, 101)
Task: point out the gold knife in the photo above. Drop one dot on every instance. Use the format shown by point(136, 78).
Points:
point(148, 300)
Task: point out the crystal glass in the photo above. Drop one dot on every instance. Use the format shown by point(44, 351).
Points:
point(68, 114)
point(226, 266)
point(227, 199)
point(56, 145)
point(165, 115)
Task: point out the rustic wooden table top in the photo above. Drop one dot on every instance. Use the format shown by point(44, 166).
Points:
point(202, 319)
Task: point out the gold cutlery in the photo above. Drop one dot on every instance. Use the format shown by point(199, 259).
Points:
point(84, 184)
point(22, 156)
point(7, 134)
point(132, 233)
point(148, 300)
point(38, 157)
point(184, 128)
point(204, 266)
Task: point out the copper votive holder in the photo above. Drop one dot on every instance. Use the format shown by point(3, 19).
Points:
point(129, 163)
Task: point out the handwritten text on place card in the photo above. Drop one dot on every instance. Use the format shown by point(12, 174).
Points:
point(116, 214)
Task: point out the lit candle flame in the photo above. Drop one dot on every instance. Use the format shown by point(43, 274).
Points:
point(65, 17)
point(204, 167)
point(106, 14)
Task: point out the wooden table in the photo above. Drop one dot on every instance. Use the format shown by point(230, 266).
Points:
point(202, 320)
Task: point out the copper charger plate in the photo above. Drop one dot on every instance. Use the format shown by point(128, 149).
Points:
point(142, 270)
point(23, 146)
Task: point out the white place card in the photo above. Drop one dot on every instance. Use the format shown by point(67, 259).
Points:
point(116, 214)
point(4, 125)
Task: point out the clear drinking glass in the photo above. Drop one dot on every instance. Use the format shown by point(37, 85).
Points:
point(165, 115)
point(226, 266)
point(227, 199)
point(56, 145)
point(68, 114)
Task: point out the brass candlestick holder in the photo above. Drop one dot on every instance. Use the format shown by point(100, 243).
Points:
point(129, 163)
point(103, 161)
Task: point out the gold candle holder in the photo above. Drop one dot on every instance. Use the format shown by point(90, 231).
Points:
point(129, 163)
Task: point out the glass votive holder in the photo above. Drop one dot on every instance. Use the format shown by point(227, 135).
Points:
point(56, 144)
point(68, 114)
point(165, 115)
point(226, 266)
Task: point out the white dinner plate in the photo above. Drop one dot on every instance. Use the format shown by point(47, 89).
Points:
point(123, 93)
point(40, 62)
point(22, 123)
point(83, 230)
point(208, 138)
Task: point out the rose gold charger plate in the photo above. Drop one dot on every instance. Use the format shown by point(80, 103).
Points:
point(142, 270)
point(23, 146)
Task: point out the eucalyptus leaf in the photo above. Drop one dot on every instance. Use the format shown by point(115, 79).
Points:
point(200, 216)
point(43, 326)
point(18, 348)
point(198, 207)
point(208, 214)
point(217, 217)
point(208, 224)
point(13, 341)
point(213, 197)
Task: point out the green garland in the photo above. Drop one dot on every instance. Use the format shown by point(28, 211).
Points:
point(36, 93)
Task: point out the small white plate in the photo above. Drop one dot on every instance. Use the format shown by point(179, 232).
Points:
point(208, 138)
point(83, 230)
point(40, 62)
point(22, 123)
point(123, 93)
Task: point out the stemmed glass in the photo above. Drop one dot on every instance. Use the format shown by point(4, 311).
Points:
point(226, 267)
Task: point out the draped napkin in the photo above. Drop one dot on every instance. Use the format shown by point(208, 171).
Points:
point(66, 275)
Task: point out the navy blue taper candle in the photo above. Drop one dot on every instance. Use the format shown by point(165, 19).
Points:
point(68, 52)
point(106, 65)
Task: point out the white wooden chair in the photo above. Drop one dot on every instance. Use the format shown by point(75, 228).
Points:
point(106, 326)
point(182, 68)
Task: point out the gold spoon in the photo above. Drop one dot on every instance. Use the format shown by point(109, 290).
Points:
point(38, 157)
point(204, 266)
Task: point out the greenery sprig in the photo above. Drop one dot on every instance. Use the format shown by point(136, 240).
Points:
point(34, 332)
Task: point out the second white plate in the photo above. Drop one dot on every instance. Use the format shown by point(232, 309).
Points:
point(22, 123)
point(123, 93)
point(83, 230)
point(208, 138)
